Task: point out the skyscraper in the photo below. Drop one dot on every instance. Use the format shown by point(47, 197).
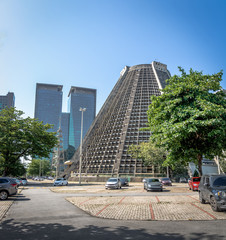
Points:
point(64, 123)
point(80, 98)
point(7, 100)
point(48, 104)
point(118, 124)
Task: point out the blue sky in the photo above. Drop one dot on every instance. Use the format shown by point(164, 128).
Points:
point(87, 43)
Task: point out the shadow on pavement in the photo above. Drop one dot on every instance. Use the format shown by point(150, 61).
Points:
point(17, 230)
point(18, 197)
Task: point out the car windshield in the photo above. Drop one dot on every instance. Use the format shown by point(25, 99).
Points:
point(220, 181)
point(153, 180)
point(196, 179)
point(59, 179)
point(165, 179)
point(112, 180)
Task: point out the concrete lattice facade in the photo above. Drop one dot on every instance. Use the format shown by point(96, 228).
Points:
point(117, 125)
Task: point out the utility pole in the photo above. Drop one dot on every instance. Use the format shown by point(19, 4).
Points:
point(80, 159)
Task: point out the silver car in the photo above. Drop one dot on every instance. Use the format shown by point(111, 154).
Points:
point(60, 182)
point(113, 183)
point(8, 187)
point(152, 184)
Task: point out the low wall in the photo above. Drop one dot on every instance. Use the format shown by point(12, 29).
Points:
point(105, 178)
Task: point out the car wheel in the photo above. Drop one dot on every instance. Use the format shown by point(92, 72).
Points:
point(213, 204)
point(201, 199)
point(3, 195)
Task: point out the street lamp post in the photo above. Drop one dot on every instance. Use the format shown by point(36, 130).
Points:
point(80, 160)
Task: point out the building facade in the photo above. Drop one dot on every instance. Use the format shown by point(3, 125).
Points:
point(118, 124)
point(64, 123)
point(48, 104)
point(7, 101)
point(80, 98)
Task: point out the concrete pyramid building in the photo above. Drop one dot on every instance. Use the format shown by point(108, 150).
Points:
point(117, 125)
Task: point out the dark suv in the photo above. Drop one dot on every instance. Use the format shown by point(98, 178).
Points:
point(212, 189)
point(8, 187)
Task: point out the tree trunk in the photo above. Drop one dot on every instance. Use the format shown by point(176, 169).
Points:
point(200, 164)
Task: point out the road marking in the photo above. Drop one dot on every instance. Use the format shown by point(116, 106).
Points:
point(102, 209)
point(193, 198)
point(157, 199)
point(152, 212)
point(121, 200)
point(86, 201)
point(204, 211)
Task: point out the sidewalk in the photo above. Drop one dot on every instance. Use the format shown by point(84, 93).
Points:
point(5, 205)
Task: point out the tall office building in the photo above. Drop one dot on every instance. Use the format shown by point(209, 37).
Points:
point(48, 104)
point(7, 100)
point(118, 124)
point(80, 98)
point(64, 123)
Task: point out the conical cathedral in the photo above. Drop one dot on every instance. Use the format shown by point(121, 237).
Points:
point(116, 127)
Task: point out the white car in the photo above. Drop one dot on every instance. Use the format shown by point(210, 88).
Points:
point(60, 182)
point(113, 183)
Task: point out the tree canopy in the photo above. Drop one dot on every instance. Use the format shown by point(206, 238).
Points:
point(189, 118)
point(21, 138)
point(39, 167)
point(148, 152)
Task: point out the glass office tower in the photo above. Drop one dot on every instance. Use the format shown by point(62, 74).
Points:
point(7, 100)
point(80, 98)
point(64, 122)
point(48, 104)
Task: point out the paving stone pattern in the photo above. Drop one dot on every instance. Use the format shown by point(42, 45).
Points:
point(4, 206)
point(147, 208)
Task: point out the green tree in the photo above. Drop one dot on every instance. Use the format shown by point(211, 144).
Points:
point(18, 169)
point(148, 152)
point(189, 118)
point(21, 138)
point(39, 166)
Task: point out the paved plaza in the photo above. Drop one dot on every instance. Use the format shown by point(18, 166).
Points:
point(147, 208)
point(130, 203)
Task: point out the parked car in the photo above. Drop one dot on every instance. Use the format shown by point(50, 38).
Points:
point(24, 181)
point(8, 187)
point(212, 189)
point(18, 181)
point(152, 184)
point(193, 183)
point(124, 181)
point(166, 181)
point(60, 182)
point(182, 180)
point(113, 183)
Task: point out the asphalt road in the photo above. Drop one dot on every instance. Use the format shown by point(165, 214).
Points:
point(41, 214)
